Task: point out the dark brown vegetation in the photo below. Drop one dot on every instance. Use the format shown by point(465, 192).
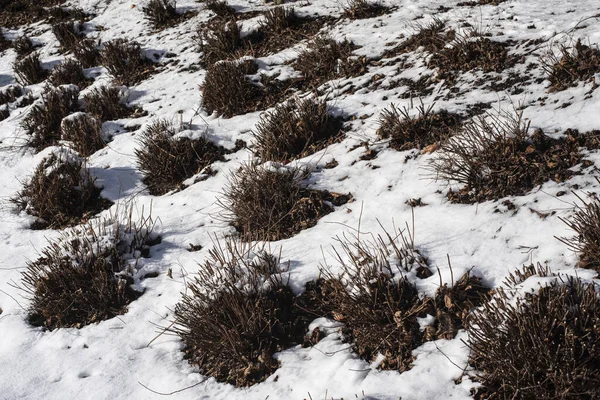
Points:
point(61, 192)
point(105, 103)
point(23, 46)
point(220, 8)
point(69, 72)
point(84, 132)
point(572, 65)
point(87, 53)
point(407, 132)
point(68, 34)
point(161, 13)
point(42, 123)
point(166, 160)
point(125, 62)
point(221, 42)
point(295, 129)
point(360, 9)
point(431, 37)
point(14, 13)
point(84, 277)
point(495, 156)
point(586, 224)
point(237, 313)
point(265, 203)
point(10, 93)
point(29, 71)
point(546, 346)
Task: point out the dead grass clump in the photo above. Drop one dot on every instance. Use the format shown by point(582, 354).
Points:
point(237, 313)
point(295, 129)
point(166, 160)
point(68, 34)
point(69, 72)
point(43, 121)
point(61, 192)
point(431, 37)
point(270, 203)
point(578, 64)
point(4, 112)
point(361, 9)
point(86, 52)
point(325, 59)
point(544, 346)
point(495, 156)
point(29, 71)
point(228, 91)
point(161, 13)
point(105, 103)
point(221, 42)
point(23, 46)
point(279, 19)
point(424, 130)
point(125, 62)
point(85, 276)
point(586, 224)
point(84, 132)
point(10, 93)
point(220, 8)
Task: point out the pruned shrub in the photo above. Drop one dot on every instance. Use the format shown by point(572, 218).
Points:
point(105, 103)
point(86, 52)
point(69, 72)
point(23, 46)
point(432, 37)
point(544, 345)
point(85, 276)
point(580, 63)
point(271, 203)
point(228, 91)
point(10, 93)
point(166, 159)
point(406, 132)
point(221, 42)
point(161, 13)
point(42, 123)
point(29, 70)
point(61, 192)
point(360, 9)
point(84, 132)
point(586, 224)
point(494, 156)
point(325, 59)
point(4, 112)
point(125, 62)
point(68, 34)
point(295, 129)
point(237, 313)
point(277, 20)
point(220, 8)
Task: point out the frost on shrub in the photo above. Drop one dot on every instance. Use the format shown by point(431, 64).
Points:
point(237, 312)
point(86, 275)
point(61, 192)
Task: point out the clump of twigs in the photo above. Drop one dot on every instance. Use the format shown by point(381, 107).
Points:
point(23, 46)
point(125, 61)
point(426, 129)
point(220, 8)
point(85, 276)
point(29, 70)
point(161, 13)
point(166, 159)
point(84, 132)
point(544, 345)
point(61, 192)
point(87, 53)
point(237, 313)
point(221, 42)
point(10, 93)
point(69, 72)
point(586, 224)
point(106, 103)
point(360, 9)
point(295, 129)
point(42, 123)
point(580, 63)
point(431, 37)
point(68, 34)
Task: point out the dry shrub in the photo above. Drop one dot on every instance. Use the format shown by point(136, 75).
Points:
point(106, 103)
point(69, 72)
point(495, 156)
point(480, 3)
point(14, 13)
point(279, 19)
point(578, 64)
point(407, 132)
point(68, 34)
point(10, 93)
point(23, 46)
point(237, 313)
point(43, 121)
point(29, 71)
point(161, 13)
point(543, 346)
point(228, 91)
point(360, 9)
point(295, 129)
point(325, 59)
point(586, 224)
point(4, 112)
point(61, 14)
point(84, 277)
point(166, 160)
point(61, 192)
point(84, 132)
point(221, 42)
point(220, 8)
point(125, 62)
point(431, 37)
point(86, 52)
point(271, 203)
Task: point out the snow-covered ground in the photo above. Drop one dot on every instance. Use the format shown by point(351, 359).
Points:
point(112, 359)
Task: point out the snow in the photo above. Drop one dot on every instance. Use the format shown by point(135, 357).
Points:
point(114, 360)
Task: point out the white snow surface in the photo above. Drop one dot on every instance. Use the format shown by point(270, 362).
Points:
point(112, 359)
